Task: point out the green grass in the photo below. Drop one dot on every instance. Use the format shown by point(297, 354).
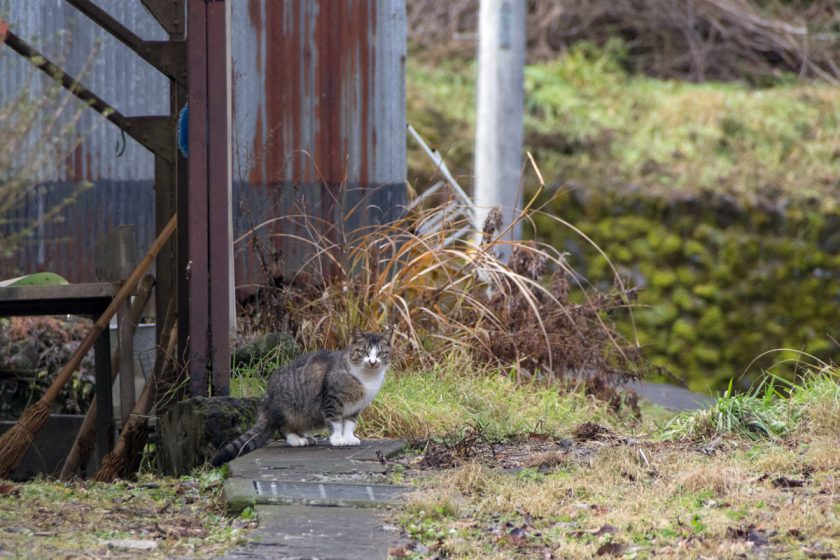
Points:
point(455, 394)
point(183, 517)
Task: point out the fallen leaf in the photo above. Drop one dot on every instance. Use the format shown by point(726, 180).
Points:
point(131, 544)
point(591, 431)
point(785, 482)
point(611, 549)
point(796, 533)
point(398, 552)
point(517, 536)
point(758, 537)
point(813, 552)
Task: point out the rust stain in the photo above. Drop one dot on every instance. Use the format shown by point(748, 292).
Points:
point(256, 23)
point(334, 42)
point(73, 164)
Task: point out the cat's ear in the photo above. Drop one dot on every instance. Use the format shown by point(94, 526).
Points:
point(358, 334)
point(389, 331)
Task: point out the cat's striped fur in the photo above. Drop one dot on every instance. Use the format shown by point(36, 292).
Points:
point(317, 390)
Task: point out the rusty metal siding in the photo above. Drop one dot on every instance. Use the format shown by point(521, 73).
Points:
point(318, 123)
point(319, 108)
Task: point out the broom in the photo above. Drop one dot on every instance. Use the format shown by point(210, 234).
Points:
point(122, 459)
point(83, 445)
point(15, 442)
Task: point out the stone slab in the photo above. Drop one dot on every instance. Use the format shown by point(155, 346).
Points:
point(319, 474)
point(325, 533)
point(670, 396)
point(240, 493)
point(318, 463)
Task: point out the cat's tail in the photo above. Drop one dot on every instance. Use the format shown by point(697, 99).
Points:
point(253, 439)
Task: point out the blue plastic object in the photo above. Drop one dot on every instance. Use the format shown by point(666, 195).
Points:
point(183, 130)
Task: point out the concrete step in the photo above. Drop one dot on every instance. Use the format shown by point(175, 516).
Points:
point(316, 502)
point(325, 533)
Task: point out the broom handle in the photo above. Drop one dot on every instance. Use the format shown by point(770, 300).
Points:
point(125, 291)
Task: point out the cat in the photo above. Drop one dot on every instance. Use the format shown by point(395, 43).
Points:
point(320, 389)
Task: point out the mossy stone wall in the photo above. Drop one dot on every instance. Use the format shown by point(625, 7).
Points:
point(723, 279)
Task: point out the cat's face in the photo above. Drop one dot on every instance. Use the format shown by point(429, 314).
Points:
point(371, 351)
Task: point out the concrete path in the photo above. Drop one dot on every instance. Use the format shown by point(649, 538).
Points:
point(316, 502)
point(670, 396)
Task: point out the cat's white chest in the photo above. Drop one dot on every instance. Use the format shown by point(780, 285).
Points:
point(372, 384)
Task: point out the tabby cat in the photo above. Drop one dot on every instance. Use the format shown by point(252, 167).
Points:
point(317, 390)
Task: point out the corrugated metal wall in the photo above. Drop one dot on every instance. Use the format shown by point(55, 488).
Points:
point(319, 124)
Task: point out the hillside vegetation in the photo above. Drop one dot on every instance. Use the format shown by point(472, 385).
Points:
point(719, 200)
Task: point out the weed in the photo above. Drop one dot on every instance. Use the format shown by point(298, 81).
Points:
point(774, 408)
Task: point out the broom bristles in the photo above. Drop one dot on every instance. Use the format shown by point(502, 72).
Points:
point(112, 466)
point(128, 448)
point(15, 442)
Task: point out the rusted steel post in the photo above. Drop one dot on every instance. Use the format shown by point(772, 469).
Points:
point(205, 246)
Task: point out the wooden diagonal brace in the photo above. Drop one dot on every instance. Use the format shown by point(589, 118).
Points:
point(151, 132)
point(156, 133)
point(168, 57)
point(170, 14)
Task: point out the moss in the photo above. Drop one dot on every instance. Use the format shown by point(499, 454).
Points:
point(662, 278)
point(717, 292)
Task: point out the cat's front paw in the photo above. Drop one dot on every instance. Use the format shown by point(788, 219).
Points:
point(352, 440)
point(296, 441)
point(337, 440)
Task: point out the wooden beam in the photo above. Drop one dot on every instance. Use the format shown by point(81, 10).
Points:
point(205, 246)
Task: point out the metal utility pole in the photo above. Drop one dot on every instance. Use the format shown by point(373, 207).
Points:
point(500, 109)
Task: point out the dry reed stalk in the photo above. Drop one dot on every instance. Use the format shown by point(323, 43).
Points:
point(15, 442)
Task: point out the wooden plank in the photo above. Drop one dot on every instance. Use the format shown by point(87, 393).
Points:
point(126, 361)
point(193, 206)
point(104, 403)
point(72, 299)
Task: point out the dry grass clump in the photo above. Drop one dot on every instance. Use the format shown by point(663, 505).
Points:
point(531, 315)
point(712, 479)
point(773, 409)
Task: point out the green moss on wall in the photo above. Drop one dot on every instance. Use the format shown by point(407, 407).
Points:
point(722, 282)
